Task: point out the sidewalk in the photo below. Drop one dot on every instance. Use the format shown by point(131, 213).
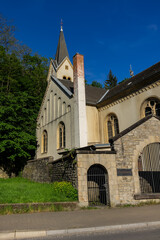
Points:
point(50, 221)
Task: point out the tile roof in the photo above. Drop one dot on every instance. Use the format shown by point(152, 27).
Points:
point(100, 97)
point(62, 51)
point(93, 94)
point(133, 84)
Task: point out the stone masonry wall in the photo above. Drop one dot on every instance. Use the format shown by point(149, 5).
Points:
point(65, 170)
point(41, 170)
point(128, 148)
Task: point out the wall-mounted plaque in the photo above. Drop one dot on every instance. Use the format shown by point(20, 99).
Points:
point(124, 172)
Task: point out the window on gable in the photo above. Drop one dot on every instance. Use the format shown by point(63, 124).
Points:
point(61, 137)
point(64, 77)
point(66, 67)
point(150, 106)
point(112, 126)
point(44, 143)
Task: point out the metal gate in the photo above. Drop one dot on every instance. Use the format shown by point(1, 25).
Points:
point(98, 188)
point(149, 169)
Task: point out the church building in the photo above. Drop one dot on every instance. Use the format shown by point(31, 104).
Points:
point(105, 142)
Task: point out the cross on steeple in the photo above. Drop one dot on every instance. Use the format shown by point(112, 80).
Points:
point(61, 25)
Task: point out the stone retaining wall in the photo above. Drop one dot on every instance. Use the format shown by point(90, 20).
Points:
point(47, 170)
point(39, 170)
point(65, 170)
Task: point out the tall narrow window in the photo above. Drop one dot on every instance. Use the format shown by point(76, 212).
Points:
point(44, 144)
point(45, 116)
point(63, 108)
point(51, 105)
point(112, 126)
point(61, 138)
point(59, 107)
point(41, 121)
point(55, 107)
point(48, 111)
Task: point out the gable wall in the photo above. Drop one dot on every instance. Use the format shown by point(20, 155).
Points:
point(51, 119)
point(127, 111)
point(63, 72)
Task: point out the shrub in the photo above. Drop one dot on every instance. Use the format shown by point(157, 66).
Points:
point(66, 189)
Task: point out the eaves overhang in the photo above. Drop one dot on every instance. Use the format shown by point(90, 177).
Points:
point(62, 87)
point(123, 90)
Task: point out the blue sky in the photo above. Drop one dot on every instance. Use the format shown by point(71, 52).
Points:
point(110, 34)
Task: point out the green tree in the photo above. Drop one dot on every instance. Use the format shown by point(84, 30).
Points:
point(111, 81)
point(35, 70)
point(10, 71)
point(96, 84)
point(17, 130)
point(22, 86)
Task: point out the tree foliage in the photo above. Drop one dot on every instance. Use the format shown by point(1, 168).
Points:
point(111, 81)
point(22, 86)
point(96, 84)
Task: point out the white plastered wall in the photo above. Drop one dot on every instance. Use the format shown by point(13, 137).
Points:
point(62, 71)
point(128, 111)
point(93, 125)
point(51, 120)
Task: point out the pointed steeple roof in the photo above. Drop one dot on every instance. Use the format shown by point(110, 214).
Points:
point(62, 51)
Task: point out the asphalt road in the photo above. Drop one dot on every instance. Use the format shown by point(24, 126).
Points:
point(146, 234)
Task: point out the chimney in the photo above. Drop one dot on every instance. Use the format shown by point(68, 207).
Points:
point(80, 119)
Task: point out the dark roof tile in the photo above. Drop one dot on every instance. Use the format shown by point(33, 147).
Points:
point(93, 94)
point(133, 84)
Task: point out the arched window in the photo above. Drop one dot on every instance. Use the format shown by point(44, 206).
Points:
point(61, 137)
point(112, 126)
point(150, 106)
point(149, 168)
point(44, 146)
point(64, 77)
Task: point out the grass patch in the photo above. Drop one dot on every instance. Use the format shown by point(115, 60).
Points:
point(30, 209)
point(141, 204)
point(20, 190)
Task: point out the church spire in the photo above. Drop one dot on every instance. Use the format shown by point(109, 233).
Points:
point(61, 25)
point(62, 51)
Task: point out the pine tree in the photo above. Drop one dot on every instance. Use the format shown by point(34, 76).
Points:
point(96, 84)
point(111, 81)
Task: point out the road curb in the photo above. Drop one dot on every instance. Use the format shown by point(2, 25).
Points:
point(28, 234)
